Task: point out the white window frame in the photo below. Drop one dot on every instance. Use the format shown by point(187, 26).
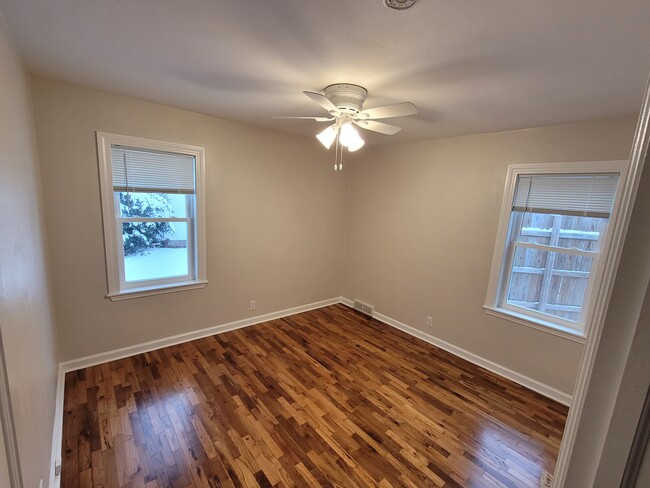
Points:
point(501, 259)
point(118, 289)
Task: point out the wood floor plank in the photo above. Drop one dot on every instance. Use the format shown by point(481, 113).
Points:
point(321, 399)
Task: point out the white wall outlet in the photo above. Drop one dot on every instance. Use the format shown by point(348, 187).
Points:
point(429, 321)
point(40, 484)
point(252, 305)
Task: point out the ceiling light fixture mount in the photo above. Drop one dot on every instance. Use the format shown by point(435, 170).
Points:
point(399, 4)
point(344, 105)
point(347, 98)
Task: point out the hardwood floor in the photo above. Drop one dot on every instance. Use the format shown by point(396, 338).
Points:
point(322, 398)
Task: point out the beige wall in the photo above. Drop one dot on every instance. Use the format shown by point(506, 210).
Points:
point(276, 216)
point(275, 219)
point(416, 248)
point(26, 320)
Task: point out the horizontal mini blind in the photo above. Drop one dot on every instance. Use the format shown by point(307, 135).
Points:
point(583, 195)
point(139, 170)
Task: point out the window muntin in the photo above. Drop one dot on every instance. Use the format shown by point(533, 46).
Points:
point(552, 258)
point(152, 206)
point(553, 232)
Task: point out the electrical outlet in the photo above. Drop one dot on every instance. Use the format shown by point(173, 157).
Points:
point(252, 305)
point(40, 484)
point(429, 321)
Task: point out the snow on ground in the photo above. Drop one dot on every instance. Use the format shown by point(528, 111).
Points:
point(156, 263)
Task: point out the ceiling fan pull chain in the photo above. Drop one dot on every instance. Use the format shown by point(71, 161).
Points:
point(336, 154)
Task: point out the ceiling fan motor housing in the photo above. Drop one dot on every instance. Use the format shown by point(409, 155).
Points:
point(399, 4)
point(348, 98)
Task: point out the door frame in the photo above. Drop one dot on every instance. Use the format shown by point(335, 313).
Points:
point(630, 187)
point(7, 424)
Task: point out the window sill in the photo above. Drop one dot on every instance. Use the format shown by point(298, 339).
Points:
point(155, 290)
point(542, 325)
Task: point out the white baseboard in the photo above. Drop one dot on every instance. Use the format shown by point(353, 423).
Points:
point(346, 301)
point(84, 362)
point(121, 353)
point(539, 387)
point(124, 352)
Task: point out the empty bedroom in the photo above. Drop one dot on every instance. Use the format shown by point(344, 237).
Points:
point(381, 243)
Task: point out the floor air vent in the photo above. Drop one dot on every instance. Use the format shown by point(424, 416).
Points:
point(363, 307)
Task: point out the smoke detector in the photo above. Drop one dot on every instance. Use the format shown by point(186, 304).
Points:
point(399, 4)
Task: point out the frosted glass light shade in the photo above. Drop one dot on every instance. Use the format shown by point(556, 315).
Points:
point(327, 137)
point(350, 138)
point(356, 144)
point(348, 134)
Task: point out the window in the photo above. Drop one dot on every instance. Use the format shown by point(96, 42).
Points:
point(552, 235)
point(152, 205)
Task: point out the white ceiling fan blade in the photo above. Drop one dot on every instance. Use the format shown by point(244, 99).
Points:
point(317, 119)
point(387, 111)
point(378, 127)
point(323, 101)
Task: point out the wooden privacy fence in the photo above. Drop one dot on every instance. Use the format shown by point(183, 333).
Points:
point(550, 281)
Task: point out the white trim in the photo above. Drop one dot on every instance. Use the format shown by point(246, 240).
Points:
point(619, 227)
point(143, 347)
point(114, 262)
point(200, 245)
point(502, 253)
point(528, 321)
point(57, 431)
point(121, 353)
point(8, 430)
point(346, 301)
point(563, 250)
point(539, 387)
point(92, 360)
point(156, 290)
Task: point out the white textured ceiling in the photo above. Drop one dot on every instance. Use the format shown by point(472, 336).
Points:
point(470, 66)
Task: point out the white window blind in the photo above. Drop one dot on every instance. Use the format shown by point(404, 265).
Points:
point(137, 170)
point(583, 195)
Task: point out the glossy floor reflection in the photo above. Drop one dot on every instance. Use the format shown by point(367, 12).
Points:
point(322, 398)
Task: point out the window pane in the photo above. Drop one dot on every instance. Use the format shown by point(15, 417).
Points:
point(534, 228)
point(559, 292)
point(581, 232)
point(155, 250)
point(565, 231)
point(526, 277)
point(569, 280)
point(152, 205)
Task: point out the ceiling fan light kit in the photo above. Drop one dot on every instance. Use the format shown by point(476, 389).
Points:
point(327, 137)
point(350, 138)
point(344, 104)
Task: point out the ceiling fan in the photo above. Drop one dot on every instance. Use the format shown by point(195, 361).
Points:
point(344, 104)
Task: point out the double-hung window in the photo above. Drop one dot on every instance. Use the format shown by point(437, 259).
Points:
point(152, 205)
point(553, 233)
